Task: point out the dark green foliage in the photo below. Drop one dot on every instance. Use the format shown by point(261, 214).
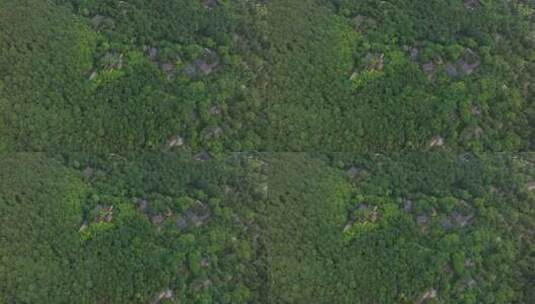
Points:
point(352, 237)
point(43, 65)
point(353, 77)
point(75, 229)
point(269, 228)
point(340, 75)
point(122, 76)
point(137, 105)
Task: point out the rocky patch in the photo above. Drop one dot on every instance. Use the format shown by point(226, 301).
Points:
point(407, 205)
point(352, 172)
point(214, 132)
point(375, 61)
point(429, 69)
point(362, 214)
point(422, 221)
point(202, 156)
point(203, 66)
point(451, 70)
point(437, 141)
point(195, 216)
point(103, 213)
point(469, 62)
point(143, 205)
point(101, 23)
point(414, 54)
point(166, 294)
point(176, 141)
point(427, 295)
point(215, 110)
point(472, 4)
point(210, 4)
point(88, 172)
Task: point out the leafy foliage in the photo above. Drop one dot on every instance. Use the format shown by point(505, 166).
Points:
point(404, 229)
point(340, 75)
point(389, 76)
point(121, 76)
point(94, 229)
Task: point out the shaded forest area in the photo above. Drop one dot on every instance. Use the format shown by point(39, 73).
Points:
point(394, 161)
point(128, 75)
point(390, 76)
point(151, 228)
point(412, 228)
point(307, 75)
point(267, 228)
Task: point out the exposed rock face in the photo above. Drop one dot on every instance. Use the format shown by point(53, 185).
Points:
point(374, 61)
point(182, 223)
point(469, 263)
point(469, 62)
point(530, 186)
point(203, 66)
point(166, 294)
point(143, 205)
point(414, 54)
point(153, 53)
point(88, 172)
point(215, 110)
point(93, 75)
point(363, 23)
point(407, 205)
point(195, 216)
point(429, 294)
point(176, 141)
point(362, 214)
point(422, 220)
point(471, 133)
point(352, 172)
point(97, 21)
point(199, 214)
point(472, 4)
point(460, 219)
point(83, 227)
point(100, 22)
point(475, 110)
point(437, 141)
point(214, 132)
point(123, 5)
point(467, 284)
point(210, 4)
point(451, 71)
point(157, 219)
point(446, 223)
point(468, 68)
point(359, 22)
point(203, 156)
point(168, 69)
point(167, 65)
point(112, 61)
point(103, 213)
point(429, 68)
point(201, 284)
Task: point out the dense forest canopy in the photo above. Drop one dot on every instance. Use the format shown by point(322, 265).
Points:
point(82, 228)
point(267, 228)
point(401, 75)
point(411, 228)
point(220, 75)
point(267, 151)
point(122, 76)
